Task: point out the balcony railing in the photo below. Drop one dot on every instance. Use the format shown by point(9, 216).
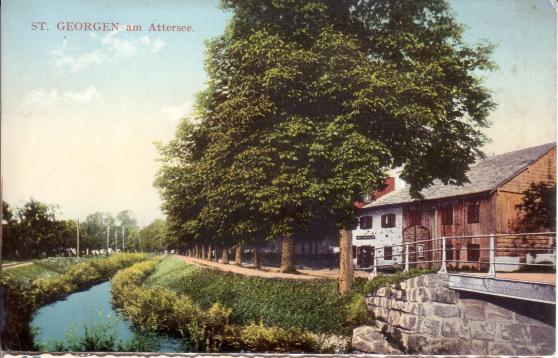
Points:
point(482, 252)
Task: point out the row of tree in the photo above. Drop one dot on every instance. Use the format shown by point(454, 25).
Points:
point(308, 105)
point(33, 231)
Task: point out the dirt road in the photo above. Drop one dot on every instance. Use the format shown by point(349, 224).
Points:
point(268, 272)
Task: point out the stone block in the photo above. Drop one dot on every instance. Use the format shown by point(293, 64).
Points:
point(381, 313)
point(364, 338)
point(410, 307)
point(477, 347)
point(381, 292)
point(414, 343)
point(445, 346)
point(542, 334)
point(474, 312)
point(393, 317)
point(483, 330)
point(425, 310)
point(497, 348)
point(445, 295)
point(408, 322)
point(514, 332)
point(449, 329)
point(369, 340)
point(430, 327)
point(495, 313)
point(445, 311)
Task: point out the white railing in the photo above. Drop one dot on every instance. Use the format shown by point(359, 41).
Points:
point(434, 252)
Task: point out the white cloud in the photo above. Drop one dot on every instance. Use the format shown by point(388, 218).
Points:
point(43, 101)
point(113, 49)
point(87, 96)
point(175, 113)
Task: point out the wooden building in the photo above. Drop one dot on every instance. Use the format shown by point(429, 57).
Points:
point(488, 204)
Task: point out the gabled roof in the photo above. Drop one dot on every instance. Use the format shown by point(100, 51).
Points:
point(484, 176)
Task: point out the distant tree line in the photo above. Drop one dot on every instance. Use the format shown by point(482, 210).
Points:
point(34, 231)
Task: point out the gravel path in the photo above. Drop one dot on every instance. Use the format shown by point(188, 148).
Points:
point(269, 272)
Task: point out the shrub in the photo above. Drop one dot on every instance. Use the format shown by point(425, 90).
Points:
point(385, 280)
point(24, 293)
point(258, 338)
point(313, 305)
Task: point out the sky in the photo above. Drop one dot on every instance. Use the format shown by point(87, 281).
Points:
point(82, 109)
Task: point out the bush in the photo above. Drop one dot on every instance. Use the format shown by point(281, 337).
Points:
point(23, 294)
point(160, 309)
point(384, 280)
point(258, 338)
point(313, 305)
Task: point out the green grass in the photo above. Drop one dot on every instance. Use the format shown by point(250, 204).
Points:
point(313, 305)
point(41, 268)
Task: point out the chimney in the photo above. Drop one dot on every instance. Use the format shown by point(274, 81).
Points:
point(390, 186)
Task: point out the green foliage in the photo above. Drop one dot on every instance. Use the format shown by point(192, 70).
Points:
point(102, 336)
point(259, 338)
point(313, 305)
point(387, 280)
point(211, 328)
point(24, 293)
point(305, 110)
point(539, 205)
point(357, 311)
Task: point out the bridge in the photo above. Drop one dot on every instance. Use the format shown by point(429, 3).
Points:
point(518, 266)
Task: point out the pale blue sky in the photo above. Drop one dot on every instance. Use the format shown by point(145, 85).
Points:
point(80, 111)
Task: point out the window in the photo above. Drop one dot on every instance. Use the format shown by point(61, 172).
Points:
point(388, 253)
point(473, 213)
point(365, 237)
point(420, 251)
point(447, 216)
point(449, 251)
point(473, 252)
point(388, 220)
point(365, 222)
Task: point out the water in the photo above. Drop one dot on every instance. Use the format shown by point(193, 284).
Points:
point(55, 321)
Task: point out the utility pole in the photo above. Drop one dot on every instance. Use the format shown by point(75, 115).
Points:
point(123, 232)
point(77, 235)
point(1, 222)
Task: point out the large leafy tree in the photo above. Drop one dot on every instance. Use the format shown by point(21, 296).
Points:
point(310, 103)
point(539, 205)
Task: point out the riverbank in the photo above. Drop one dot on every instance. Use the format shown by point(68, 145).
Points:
point(26, 288)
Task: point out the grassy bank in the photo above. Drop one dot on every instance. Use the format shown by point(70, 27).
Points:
point(313, 305)
point(202, 330)
point(29, 287)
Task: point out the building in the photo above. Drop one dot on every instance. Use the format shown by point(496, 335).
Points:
point(378, 227)
point(489, 204)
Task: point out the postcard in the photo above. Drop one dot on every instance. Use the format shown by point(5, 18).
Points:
point(276, 176)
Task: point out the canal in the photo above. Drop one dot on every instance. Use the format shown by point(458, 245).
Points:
point(62, 320)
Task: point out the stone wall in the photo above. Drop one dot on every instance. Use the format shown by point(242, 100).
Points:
point(422, 315)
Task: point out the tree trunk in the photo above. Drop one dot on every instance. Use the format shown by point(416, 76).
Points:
point(225, 256)
point(196, 251)
point(209, 253)
point(345, 261)
point(256, 258)
point(287, 254)
point(238, 255)
point(203, 255)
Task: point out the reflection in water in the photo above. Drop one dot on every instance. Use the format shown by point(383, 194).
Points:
point(62, 320)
